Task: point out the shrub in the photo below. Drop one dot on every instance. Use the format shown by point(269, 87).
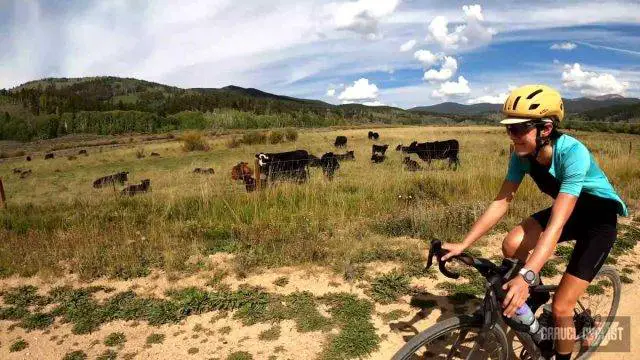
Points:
point(291, 134)
point(18, 346)
point(254, 137)
point(194, 141)
point(276, 137)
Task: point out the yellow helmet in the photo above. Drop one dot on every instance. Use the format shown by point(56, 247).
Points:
point(532, 102)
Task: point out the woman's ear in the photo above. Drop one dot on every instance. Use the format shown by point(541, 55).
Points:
point(546, 131)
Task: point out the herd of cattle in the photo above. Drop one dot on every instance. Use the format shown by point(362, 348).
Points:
point(291, 165)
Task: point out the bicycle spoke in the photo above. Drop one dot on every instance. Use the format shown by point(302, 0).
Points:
point(457, 343)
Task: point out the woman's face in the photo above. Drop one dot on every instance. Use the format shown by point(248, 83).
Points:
point(523, 136)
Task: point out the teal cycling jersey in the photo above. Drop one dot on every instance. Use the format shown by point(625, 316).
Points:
point(574, 167)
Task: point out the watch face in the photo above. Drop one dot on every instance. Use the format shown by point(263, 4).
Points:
point(529, 276)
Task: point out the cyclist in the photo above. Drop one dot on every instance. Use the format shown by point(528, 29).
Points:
point(584, 209)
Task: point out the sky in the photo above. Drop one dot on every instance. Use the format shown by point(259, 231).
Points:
point(402, 53)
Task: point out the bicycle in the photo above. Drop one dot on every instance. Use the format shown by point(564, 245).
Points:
point(482, 335)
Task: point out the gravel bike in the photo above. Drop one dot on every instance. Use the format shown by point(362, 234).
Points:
point(482, 335)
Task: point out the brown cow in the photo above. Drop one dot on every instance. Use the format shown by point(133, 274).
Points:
point(137, 188)
point(242, 171)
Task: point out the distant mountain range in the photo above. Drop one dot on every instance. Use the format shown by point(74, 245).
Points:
point(577, 105)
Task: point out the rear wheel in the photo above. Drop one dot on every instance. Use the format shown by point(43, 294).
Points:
point(459, 337)
point(595, 311)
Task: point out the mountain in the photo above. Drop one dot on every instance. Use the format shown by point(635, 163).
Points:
point(577, 105)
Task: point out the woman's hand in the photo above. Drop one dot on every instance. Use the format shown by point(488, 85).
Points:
point(517, 294)
point(454, 249)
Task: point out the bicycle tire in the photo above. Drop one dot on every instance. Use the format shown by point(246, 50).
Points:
point(613, 276)
point(459, 322)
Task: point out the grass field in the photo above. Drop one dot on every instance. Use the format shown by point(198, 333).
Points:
point(199, 267)
point(55, 220)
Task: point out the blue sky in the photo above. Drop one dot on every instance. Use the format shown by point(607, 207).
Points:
point(403, 53)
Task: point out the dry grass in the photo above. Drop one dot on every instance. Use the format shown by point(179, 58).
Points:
point(57, 221)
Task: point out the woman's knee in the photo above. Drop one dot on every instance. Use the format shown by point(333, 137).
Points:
point(512, 241)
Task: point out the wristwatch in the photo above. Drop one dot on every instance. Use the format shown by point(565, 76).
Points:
point(529, 276)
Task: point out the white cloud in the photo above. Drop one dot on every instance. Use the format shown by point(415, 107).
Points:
point(591, 83)
point(491, 99)
point(471, 34)
point(359, 91)
point(331, 92)
point(567, 46)
point(373, 103)
point(452, 88)
point(426, 57)
point(448, 69)
point(407, 46)
point(361, 16)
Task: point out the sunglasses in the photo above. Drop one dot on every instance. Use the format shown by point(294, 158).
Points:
point(520, 129)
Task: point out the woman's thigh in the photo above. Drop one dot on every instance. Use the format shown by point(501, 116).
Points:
point(522, 239)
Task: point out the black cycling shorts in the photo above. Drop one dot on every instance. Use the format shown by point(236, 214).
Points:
point(593, 225)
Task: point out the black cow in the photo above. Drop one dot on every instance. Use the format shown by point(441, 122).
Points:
point(377, 158)
point(120, 177)
point(28, 158)
point(83, 152)
point(377, 152)
point(341, 141)
point(346, 156)
point(402, 148)
point(411, 165)
point(428, 151)
point(329, 164)
point(373, 135)
point(137, 188)
point(154, 154)
point(285, 165)
point(203, 171)
point(48, 156)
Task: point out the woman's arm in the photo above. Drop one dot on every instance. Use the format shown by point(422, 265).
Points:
point(491, 216)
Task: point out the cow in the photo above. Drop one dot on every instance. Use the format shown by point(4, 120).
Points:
point(242, 171)
point(28, 158)
point(154, 154)
point(427, 151)
point(203, 171)
point(120, 177)
point(285, 165)
point(411, 165)
point(346, 156)
point(373, 135)
point(377, 152)
point(137, 188)
point(25, 173)
point(329, 164)
point(83, 152)
point(341, 141)
point(48, 156)
point(402, 148)
point(377, 158)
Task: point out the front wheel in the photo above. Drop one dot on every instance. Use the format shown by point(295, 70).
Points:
point(460, 337)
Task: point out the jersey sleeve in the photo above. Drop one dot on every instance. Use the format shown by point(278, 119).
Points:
point(574, 168)
point(516, 171)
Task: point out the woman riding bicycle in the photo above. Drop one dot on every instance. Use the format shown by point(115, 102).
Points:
point(584, 209)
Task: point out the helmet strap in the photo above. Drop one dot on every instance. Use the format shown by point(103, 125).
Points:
point(540, 141)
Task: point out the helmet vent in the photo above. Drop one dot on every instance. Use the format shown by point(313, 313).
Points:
point(533, 106)
point(561, 106)
point(534, 94)
point(515, 103)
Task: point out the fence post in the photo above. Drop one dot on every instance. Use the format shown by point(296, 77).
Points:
point(630, 148)
point(257, 175)
point(3, 199)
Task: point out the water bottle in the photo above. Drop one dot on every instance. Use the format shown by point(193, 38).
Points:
point(526, 317)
